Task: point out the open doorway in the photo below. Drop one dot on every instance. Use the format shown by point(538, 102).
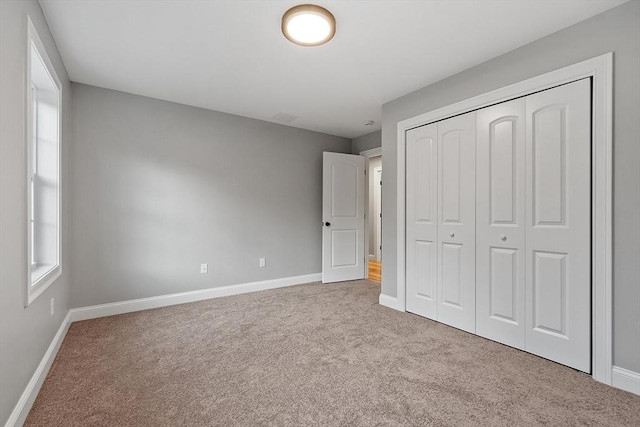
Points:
point(373, 222)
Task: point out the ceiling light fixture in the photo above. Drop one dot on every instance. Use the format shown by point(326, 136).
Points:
point(308, 25)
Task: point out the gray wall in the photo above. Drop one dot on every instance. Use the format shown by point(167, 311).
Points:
point(366, 142)
point(159, 188)
point(617, 30)
point(25, 333)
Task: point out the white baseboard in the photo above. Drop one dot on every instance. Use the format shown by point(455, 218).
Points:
point(22, 408)
point(625, 379)
point(121, 307)
point(391, 302)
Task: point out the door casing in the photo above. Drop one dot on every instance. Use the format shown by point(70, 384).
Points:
point(368, 154)
point(377, 210)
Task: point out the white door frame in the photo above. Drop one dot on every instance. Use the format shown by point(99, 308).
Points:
point(600, 69)
point(374, 152)
point(377, 211)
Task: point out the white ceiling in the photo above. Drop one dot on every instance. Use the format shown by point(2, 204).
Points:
point(231, 55)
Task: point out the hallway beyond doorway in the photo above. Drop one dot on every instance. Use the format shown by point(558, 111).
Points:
point(375, 271)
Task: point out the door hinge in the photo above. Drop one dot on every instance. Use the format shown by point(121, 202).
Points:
point(380, 214)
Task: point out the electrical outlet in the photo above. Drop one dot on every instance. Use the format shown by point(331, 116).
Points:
point(204, 268)
point(263, 262)
point(52, 306)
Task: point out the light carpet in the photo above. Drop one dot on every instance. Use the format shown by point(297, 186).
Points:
point(308, 355)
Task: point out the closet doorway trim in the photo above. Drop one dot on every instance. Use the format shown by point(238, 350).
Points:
point(600, 69)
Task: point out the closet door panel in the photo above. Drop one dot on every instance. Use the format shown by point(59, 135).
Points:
point(450, 175)
point(500, 218)
point(558, 304)
point(421, 220)
point(456, 222)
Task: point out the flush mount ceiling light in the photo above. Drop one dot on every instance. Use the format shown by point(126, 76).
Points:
point(308, 25)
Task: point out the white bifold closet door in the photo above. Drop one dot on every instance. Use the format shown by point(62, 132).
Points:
point(422, 221)
point(500, 223)
point(533, 224)
point(441, 221)
point(557, 240)
point(457, 222)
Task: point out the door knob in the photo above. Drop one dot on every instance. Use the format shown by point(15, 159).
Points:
point(328, 224)
point(503, 237)
point(452, 234)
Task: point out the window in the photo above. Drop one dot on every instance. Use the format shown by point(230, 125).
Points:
point(43, 94)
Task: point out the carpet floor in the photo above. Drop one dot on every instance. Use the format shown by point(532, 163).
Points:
point(308, 355)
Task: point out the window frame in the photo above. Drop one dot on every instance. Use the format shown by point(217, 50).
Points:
point(35, 288)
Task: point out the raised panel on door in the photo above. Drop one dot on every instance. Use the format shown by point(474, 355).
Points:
point(549, 288)
point(500, 217)
point(451, 275)
point(343, 256)
point(456, 222)
point(344, 190)
point(344, 251)
point(558, 244)
point(421, 221)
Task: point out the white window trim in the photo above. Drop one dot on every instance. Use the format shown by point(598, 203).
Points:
point(34, 290)
point(601, 70)
point(31, 158)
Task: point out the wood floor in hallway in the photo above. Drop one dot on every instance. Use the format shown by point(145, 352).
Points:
point(375, 271)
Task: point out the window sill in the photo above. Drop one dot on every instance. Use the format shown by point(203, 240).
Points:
point(41, 277)
point(38, 272)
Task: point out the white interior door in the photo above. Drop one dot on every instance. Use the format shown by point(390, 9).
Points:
point(558, 144)
point(456, 222)
point(343, 251)
point(422, 221)
point(500, 223)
